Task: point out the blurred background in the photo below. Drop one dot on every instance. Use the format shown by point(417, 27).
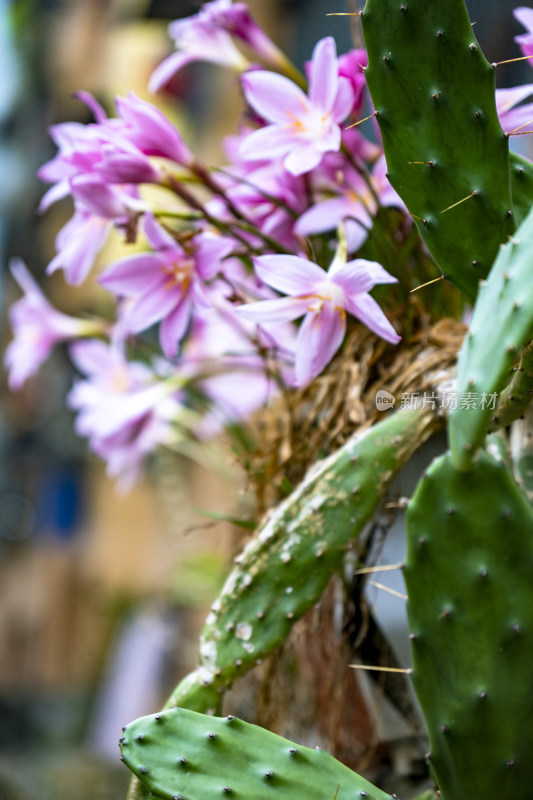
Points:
point(101, 594)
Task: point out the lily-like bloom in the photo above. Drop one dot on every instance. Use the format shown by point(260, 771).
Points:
point(525, 40)
point(123, 409)
point(166, 284)
point(200, 37)
point(115, 151)
point(303, 127)
point(323, 298)
point(37, 327)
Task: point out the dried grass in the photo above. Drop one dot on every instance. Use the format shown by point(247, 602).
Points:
point(304, 425)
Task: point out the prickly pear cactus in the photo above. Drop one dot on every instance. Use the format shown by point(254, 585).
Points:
point(502, 323)
point(469, 576)
point(283, 570)
point(181, 755)
point(434, 94)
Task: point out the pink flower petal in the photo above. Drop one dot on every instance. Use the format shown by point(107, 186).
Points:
point(356, 233)
point(319, 338)
point(326, 215)
point(157, 236)
point(266, 143)
point(78, 243)
point(284, 309)
point(152, 307)
point(174, 326)
point(365, 308)
point(360, 276)
point(344, 101)
point(273, 96)
point(133, 275)
point(210, 250)
point(93, 356)
point(57, 192)
point(303, 158)
point(324, 77)
point(92, 104)
point(289, 274)
point(151, 130)
point(167, 69)
point(525, 17)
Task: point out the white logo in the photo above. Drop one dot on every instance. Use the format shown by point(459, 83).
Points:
point(384, 400)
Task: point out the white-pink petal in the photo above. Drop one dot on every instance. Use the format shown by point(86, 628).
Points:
point(271, 142)
point(344, 100)
point(284, 309)
point(167, 69)
point(303, 157)
point(365, 308)
point(157, 236)
point(174, 326)
point(319, 338)
point(525, 17)
point(289, 274)
point(324, 77)
point(326, 215)
point(360, 275)
point(273, 96)
point(151, 307)
point(133, 275)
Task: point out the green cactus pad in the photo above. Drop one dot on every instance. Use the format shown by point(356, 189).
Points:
point(190, 756)
point(521, 186)
point(434, 93)
point(285, 568)
point(502, 323)
point(469, 577)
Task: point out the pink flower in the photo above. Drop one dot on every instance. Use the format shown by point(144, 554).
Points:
point(199, 38)
point(37, 327)
point(166, 284)
point(125, 412)
point(303, 127)
point(114, 151)
point(323, 298)
point(525, 40)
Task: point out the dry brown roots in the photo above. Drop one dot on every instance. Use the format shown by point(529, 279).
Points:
point(306, 424)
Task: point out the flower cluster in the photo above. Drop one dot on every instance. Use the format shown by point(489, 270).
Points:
point(281, 237)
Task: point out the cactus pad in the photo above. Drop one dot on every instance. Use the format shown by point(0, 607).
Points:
point(502, 323)
point(182, 755)
point(447, 156)
point(469, 577)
